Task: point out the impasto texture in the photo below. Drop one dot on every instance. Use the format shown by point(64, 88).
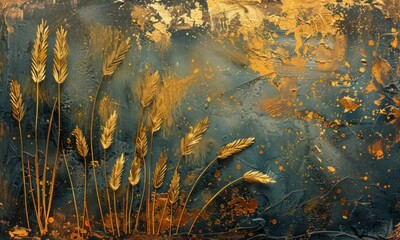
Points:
point(208, 119)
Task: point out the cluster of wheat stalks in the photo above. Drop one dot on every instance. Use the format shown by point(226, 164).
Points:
point(152, 104)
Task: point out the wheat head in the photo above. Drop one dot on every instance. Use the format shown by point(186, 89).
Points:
point(234, 147)
point(17, 106)
point(112, 61)
point(60, 67)
point(115, 178)
point(258, 177)
point(81, 144)
point(39, 53)
point(156, 116)
point(160, 170)
point(141, 143)
point(173, 192)
point(134, 173)
point(193, 137)
point(149, 89)
point(107, 136)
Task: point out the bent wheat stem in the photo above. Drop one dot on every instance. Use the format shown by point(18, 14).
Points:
point(148, 212)
point(72, 190)
point(23, 174)
point(107, 192)
point(98, 195)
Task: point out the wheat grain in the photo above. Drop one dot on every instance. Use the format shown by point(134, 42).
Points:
point(258, 177)
point(149, 89)
point(141, 143)
point(134, 173)
point(115, 178)
point(17, 106)
point(60, 56)
point(107, 136)
point(193, 137)
point(160, 170)
point(112, 61)
point(234, 147)
point(39, 53)
point(81, 144)
point(173, 192)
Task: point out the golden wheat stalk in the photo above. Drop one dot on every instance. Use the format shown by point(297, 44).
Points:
point(39, 53)
point(17, 106)
point(194, 136)
point(107, 193)
point(38, 72)
point(235, 147)
point(224, 152)
point(158, 180)
point(60, 59)
point(115, 58)
point(250, 176)
point(115, 183)
point(107, 136)
point(149, 89)
point(134, 178)
point(258, 177)
point(18, 110)
point(83, 150)
point(60, 73)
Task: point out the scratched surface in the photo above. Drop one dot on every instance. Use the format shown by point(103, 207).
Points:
point(315, 82)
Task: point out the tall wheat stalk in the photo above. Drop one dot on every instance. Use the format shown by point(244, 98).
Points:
point(73, 192)
point(18, 111)
point(106, 140)
point(134, 178)
point(173, 195)
point(224, 152)
point(38, 72)
point(60, 73)
point(83, 150)
point(115, 183)
point(250, 176)
point(158, 180)
point(110, 65)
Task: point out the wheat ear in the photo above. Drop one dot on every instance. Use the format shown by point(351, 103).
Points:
point(115, 58)
point(60, 73)
point(224, 152)
point(158, 180)
point(115, 183)
point(18, 110)
point(149, 89)
point(141, 152)
point(38, 72)
point(250, 176)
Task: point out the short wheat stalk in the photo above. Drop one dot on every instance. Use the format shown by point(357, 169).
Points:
point(18, 111)
point(250, 176)
point(225, 152)
point(83, 150)
point(173, 195)
point(106, 140)
point(158, 180)
point(115, 183)
point(38, 72)
point(134, 178)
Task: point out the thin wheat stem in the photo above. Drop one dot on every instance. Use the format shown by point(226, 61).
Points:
point(162, 217)
point(84, 192)
point(53, 176)
point(23, 174)
point(107, 192)
point(211, 199)
point(144, 172)
point(46, 154)
point(98, 197)
point(191, 191)
point(148, 213)
point(130, 211)
point(126, 210)
point(37, 160)
point(116, 215)
point(153, 209)
point(73, 191)
point(31, 191)
point(170, 222)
